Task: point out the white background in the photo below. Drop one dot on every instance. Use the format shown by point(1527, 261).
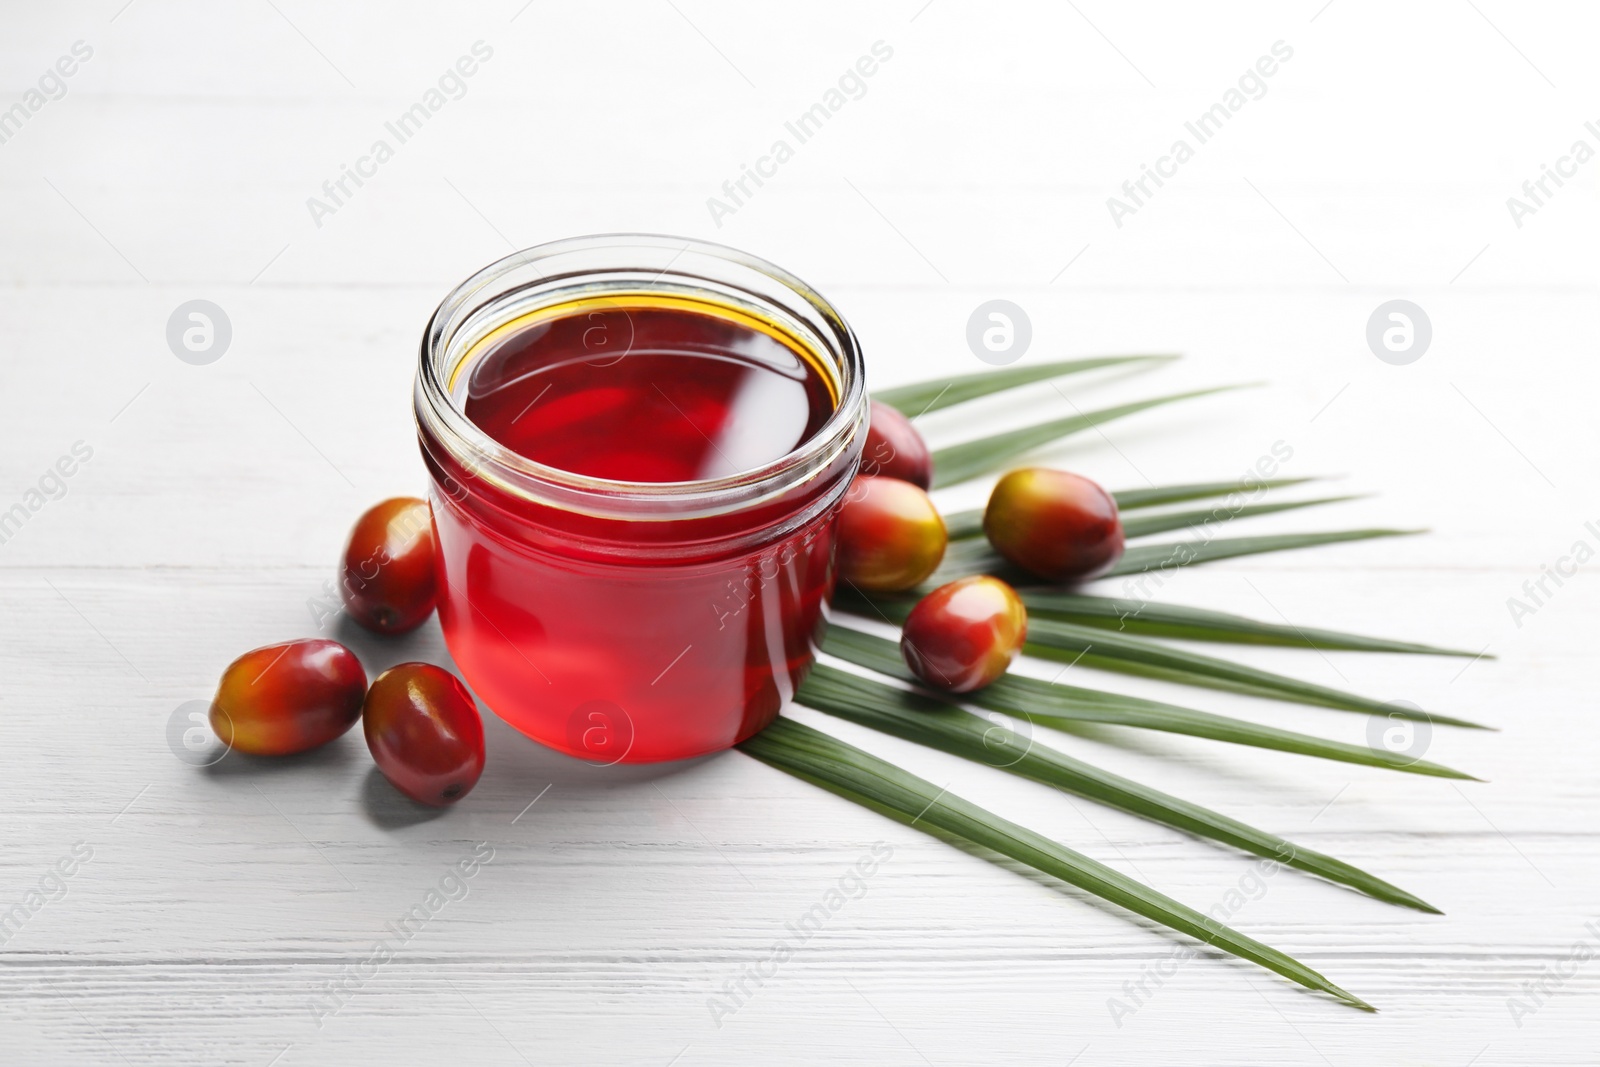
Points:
point(977, 165)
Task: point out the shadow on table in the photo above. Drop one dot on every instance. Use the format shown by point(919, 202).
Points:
point(389, 809)
point(324, 761)
point(519, 770)
point(517, 776)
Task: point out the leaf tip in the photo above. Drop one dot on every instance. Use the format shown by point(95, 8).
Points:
point(1439, 770)
point(1350, 998)
point(1412, 901)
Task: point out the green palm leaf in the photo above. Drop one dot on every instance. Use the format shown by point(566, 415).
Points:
point(859, 776)
point(1139, 558)
point(1145, 524)
point(940, 725)
point(1128, 499)
point(958, 463)
point(919, 398)
point(963, 524)
point(1110, 650)
point(968, 557)
point(974, 556)
point(1056, 704)
point(960, 525)
point(1203, 624)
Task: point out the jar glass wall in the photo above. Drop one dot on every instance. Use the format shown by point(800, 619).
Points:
point(622, 620)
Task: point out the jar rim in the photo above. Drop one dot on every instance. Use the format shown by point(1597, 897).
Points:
point(548, 273)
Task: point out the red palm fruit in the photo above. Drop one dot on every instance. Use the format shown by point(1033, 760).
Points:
point(895, 449)
point(288, 698)
point(964, 635)
point(387, 579)
point(890, 535)
point(1056, 525)
point(424, 731)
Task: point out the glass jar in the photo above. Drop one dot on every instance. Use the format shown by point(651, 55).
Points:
point(627, 621)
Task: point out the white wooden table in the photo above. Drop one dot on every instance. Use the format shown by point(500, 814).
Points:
point(209, 913)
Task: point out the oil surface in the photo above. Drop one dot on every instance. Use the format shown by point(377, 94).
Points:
point(646, 388)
